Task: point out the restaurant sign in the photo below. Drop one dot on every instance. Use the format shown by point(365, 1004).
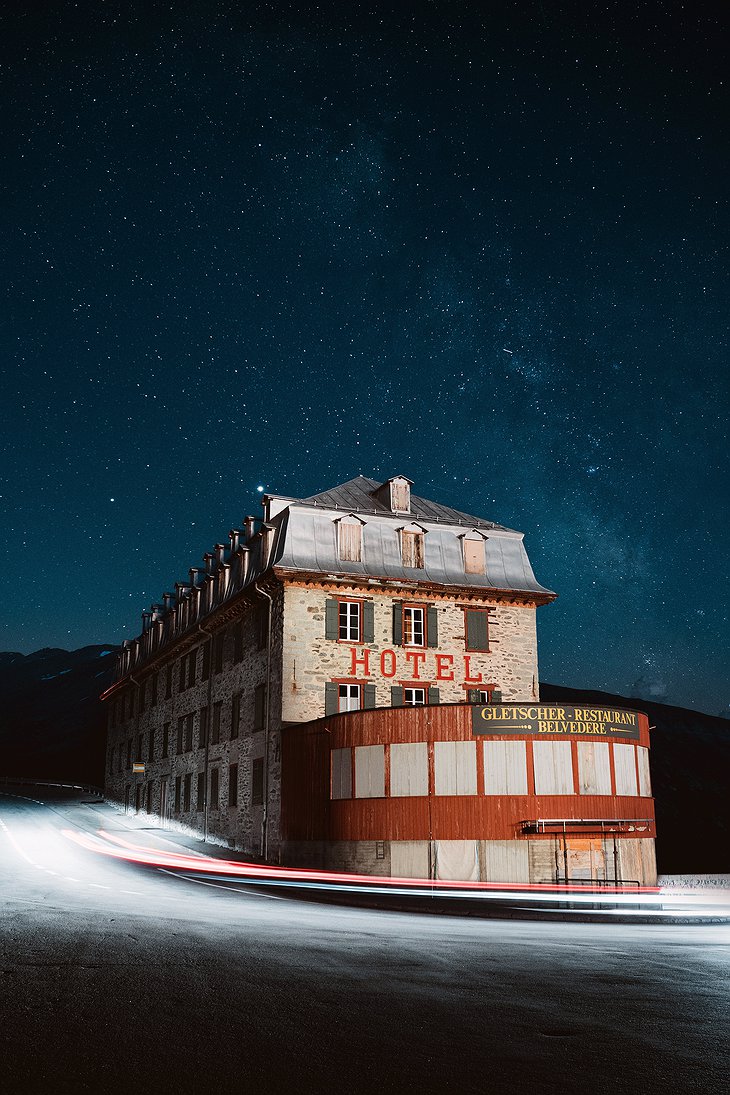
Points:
point(551, 721)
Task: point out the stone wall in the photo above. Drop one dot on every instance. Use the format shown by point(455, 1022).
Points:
point(310, 660)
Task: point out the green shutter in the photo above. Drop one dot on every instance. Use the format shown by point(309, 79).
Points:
point(368, 622)
point(496, 696)
point(473, 696)
point(396, 696)
point(331, 619)
point(432, 626)
point(477, 637)
point(331, 697)
point(434, 696)
point(368, 696)
point(397, 623)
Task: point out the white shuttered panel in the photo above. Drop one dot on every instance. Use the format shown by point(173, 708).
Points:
point(409, 769)
point(594, 768)
point(505, 768)
point(457, 860)
point(455, 767)
point(409, 859)
point(625, 766)
point(342, 773)
point(370, 771)
point(553, 768)
point(644, 777)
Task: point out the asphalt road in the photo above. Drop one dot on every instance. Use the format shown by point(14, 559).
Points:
point(115, 976)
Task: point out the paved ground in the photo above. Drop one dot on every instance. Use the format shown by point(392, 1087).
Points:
point(120, 977)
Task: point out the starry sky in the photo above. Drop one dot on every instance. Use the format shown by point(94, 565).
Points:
point(278, 245)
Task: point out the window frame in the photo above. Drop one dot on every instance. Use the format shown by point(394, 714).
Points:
point(409, 688)
point(412, 608)
point(350, 688)
point(359, 612)
point(413, 537)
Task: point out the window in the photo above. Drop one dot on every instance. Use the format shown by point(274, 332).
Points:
point(476, 622)
point(412, 548)
point(203, 739)
point(178, 785)
point(201, 791)
point(553, 764)
point(191, 660)
point(151, 750)
point(238, 642)
point(369, 771)
point(505, 767)
point(235, 715)
point(233, 785)
point(214, 788)
point(215, 726)
point(189, 732)
point(349, 697)
point(414, 697)
point(349, 621)
point(182, 678)
point(409, 769)
point(168, 682)
point(262, 626)
point(341, 774)
point(349, 537)
point(205, 672)
point(186, 792)
point(129, 753)
point(475, 560)
point(218, 652)
point(413, 626)
point(153, 693)
point(257, 782)
point(166, 740)
point(455, 767)
point(259, 704)
point(180, 732)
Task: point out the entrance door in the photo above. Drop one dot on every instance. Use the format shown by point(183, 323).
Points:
point(581, 859)
point(164, 805)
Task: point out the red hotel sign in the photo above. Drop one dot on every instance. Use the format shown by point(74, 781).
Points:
point(421, 665)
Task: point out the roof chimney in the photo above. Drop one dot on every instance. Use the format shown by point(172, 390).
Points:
point(220, 553)
point(168, 600)
point(235, 537)
point(249, 526)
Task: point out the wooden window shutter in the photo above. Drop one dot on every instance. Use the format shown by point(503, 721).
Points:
point(368, 697)
point(477, 634)
point(432, 626)
point(331, 619)
point(473, 695)
point(368, 622)
point(397, 623)
point(434, 696)
point(396, 696)
point(331, 697)
point(496, 696)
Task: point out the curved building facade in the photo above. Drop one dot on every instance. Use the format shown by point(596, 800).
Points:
point(352, 681)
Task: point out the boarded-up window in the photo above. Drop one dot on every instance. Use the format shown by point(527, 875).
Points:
point(413, 550)
point(257, 782)
point(409, 769)
point(644, 777)
point(505, 768)
point(215, 726)
point(233, 785)
point(201, 791)
point(409, 859)
point(214, 784)
point(475, 561)
point(477, 629)
point(553, 768)
point(259, 703)
point(370, 771)
point(455, 767)
point(625, 767)
point(400, 495)
point(350, 539)
point(594, 768)
point(235, 715)
point(341, 773)
point(457, 860)
point(203, 736)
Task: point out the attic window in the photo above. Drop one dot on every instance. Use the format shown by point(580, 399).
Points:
point(349, 533)
point(475, 561)
point(400, 496)
point(412, 544)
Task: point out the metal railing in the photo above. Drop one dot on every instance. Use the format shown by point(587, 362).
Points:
point(29, 781)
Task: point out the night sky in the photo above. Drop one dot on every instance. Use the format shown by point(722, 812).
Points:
point(275, 246)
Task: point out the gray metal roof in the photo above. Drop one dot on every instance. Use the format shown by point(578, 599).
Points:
point(357, 495)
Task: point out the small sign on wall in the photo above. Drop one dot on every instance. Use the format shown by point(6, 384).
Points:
point(552, 721)
point(138, 766)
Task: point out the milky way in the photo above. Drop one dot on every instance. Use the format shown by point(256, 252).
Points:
point(245, 248)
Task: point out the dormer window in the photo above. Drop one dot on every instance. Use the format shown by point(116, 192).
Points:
point(412, 542)
point(395, 494)
point(475, 557)
point(349, 538)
